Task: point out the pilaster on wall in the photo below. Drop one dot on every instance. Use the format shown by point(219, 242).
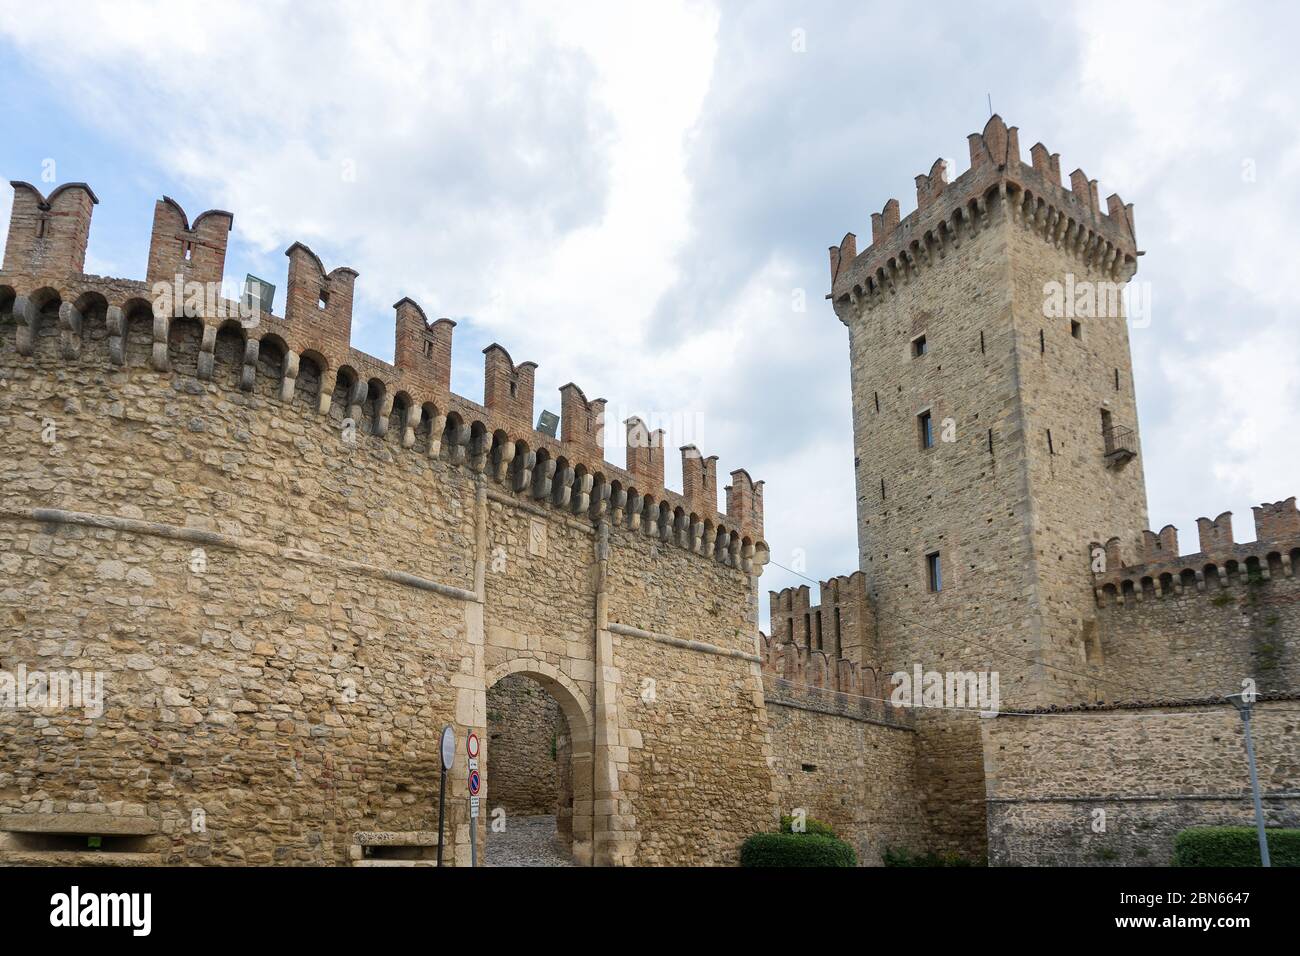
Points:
point(614, 835)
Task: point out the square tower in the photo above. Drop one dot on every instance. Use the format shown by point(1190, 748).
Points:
point(995, 425)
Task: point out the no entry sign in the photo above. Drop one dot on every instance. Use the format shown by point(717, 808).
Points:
point(471, 745)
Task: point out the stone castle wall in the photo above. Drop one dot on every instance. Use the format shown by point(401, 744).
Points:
point(1151, 771)
point(849, 765)
point(294, 564)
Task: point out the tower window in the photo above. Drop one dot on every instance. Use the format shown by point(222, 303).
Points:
point(428, 349)
point(981, 343)
point(882, 489)
point(876, 395)
point(323, 301)
point(1076, 328)
point(925, 427)
point(919, 346)
point(934, 571)
point(1051, 450)
point(1117, 380)
point(1042, 343)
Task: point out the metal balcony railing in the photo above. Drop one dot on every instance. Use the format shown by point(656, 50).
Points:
point(1121, 444)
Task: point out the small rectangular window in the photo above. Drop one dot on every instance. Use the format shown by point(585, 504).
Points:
point(926, 428)
point(1076, 328)
point(919, 347)
point(934, 571)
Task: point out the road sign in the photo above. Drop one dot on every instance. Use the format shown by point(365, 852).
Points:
point(473, 807)
point(471, 745)
point(473, 783)
point(448, 747)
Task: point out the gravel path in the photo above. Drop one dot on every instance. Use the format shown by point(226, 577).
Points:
point(527, 841)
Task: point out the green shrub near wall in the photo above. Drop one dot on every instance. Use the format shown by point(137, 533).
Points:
point(1235, 846)
point(812, 827)
point(907, 858)
point(796, 849)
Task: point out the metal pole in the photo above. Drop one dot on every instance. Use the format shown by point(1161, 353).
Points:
point(1254, 790)
point(442, 801)
point(473, 840)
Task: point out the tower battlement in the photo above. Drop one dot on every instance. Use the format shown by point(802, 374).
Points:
point(998, 181)
point(308, 351)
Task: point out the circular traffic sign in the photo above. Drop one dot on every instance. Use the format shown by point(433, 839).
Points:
point(448, 747)
point(473, 783)
point(471, 744)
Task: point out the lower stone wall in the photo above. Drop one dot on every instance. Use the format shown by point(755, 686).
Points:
point(1114, 786)
point(692, 753)
point(854, 772)
point(524, 731)
point(952, 774)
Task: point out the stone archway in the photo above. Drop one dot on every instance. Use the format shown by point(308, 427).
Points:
point(571, 783)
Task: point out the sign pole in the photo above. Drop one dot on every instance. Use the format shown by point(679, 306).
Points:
point(442, 799)
point(471, 749)
point(448, 753)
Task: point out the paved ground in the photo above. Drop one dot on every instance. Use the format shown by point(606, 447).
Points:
point(526, 841)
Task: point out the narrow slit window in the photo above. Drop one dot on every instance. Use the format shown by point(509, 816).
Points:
point(990, 441)
point(1051, 449)
point(919, 346)
point(925, 427)
point(882, 489)
point(981, 343)
point(876, 397)
point(1117, 380)
point(1042, 343)
point(934, 571)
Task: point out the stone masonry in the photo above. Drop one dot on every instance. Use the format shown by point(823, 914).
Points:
point(292, 564)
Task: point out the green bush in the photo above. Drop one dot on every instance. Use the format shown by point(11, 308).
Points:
point(1235, 846)
point(812, 827)
point(906, 858)
point(796, 849)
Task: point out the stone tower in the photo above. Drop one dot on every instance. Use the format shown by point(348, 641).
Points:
point(994, 418)
point(995, 433)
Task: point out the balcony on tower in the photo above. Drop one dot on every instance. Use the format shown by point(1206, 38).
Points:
point(1120, 442)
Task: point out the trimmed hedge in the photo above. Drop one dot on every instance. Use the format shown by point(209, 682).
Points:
point(796, 849)
point(906, 858)
point(812, 827)
point(1235, 846)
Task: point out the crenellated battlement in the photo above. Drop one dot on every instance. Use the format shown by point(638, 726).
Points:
point(997, 183)
point(308, 353)
point(818, 678)
point(1152, 568)
point(843, 623)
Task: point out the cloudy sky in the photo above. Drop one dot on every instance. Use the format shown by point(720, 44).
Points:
point(639, 197)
